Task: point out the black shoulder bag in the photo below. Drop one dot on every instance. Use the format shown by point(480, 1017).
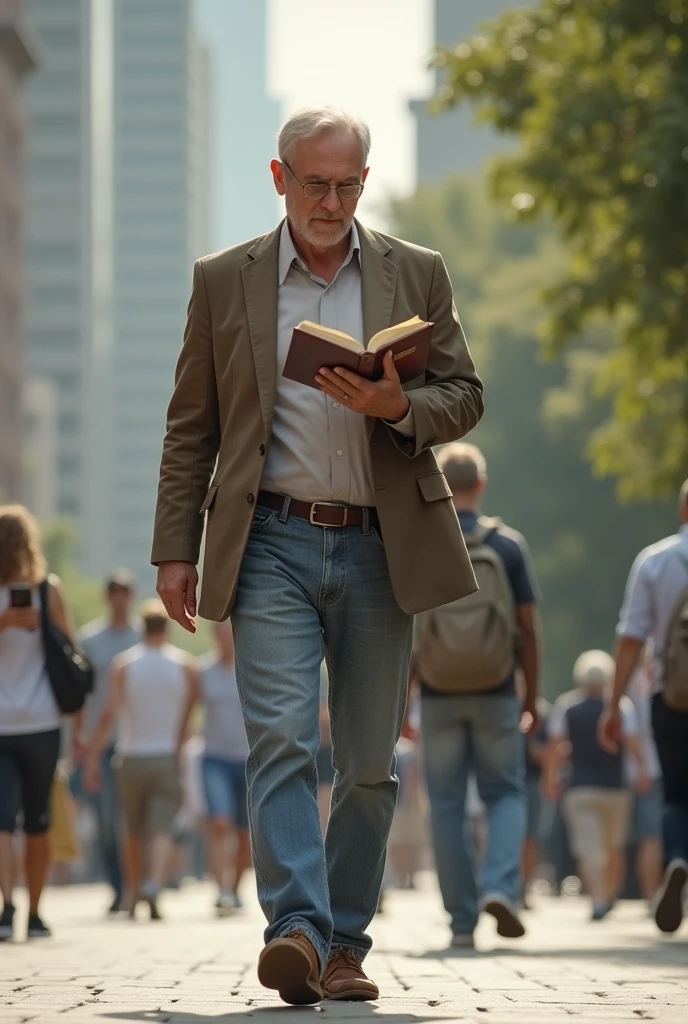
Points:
point(70, 674)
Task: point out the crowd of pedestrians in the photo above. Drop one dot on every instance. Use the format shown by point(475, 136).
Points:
point(379, 622)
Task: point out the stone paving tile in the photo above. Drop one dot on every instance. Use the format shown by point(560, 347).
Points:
point(194, 969)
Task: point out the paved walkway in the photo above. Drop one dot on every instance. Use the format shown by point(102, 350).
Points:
point(194, 969)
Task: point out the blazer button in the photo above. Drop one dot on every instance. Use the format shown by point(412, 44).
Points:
point(250, 498)
point(261, 449)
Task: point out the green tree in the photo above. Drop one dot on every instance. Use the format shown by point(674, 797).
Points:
point(595, 93)
point(535, 425)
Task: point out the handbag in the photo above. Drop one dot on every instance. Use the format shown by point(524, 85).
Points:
point(69, 672)
point(62, 836)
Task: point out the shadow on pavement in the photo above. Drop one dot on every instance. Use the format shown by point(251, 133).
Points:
point(349, 1011)
point(671, 952)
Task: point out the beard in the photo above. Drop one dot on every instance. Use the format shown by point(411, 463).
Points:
point(316, 233)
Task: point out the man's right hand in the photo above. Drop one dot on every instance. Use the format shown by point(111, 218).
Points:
point(20, 618)
point(609, 729)
point(177, 582)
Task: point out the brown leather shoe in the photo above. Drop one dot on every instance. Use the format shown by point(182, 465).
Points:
point(290, 964)
point(344, 978)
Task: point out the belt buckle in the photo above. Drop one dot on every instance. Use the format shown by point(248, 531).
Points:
point(329, 504)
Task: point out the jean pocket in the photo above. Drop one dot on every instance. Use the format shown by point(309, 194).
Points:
point(262, 518)
point(378, 537)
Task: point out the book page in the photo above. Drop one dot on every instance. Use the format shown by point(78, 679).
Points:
point(391, 334)
point(330, 334)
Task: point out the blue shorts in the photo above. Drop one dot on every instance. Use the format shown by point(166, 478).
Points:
point(647, 813)
point(224, 783)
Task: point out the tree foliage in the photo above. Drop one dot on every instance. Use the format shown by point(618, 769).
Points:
point(596, 94)
point(536, 422)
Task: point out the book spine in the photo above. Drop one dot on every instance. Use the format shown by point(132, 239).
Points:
point(366, 363)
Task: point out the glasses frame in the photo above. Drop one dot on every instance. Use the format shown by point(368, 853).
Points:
point(330, 188)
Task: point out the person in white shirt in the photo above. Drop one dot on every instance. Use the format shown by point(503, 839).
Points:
point(153, 688)
point(658, 581)
point(29, 715)
point(224, 770)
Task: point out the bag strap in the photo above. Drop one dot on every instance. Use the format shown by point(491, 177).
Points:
point(484, 528)
point(44, 598)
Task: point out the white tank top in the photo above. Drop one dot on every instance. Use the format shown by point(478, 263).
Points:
point(26, 699)
point(153, 701)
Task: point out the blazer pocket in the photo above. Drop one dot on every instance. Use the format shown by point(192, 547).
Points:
point(434, 487)
point(209, 499)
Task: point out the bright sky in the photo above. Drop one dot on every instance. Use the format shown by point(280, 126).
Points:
point(368, 56)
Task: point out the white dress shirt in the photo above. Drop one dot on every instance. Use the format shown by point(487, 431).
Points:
point(320, 450)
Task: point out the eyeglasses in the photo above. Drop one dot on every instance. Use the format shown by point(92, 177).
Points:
point(319, 189)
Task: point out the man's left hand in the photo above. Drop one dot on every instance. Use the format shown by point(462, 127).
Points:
point(383, 398)
point(530, 718)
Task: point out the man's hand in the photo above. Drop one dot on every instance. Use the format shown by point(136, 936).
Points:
point(79, 747)
point(609, 729)
point(20, 618)
point(642, 783)
point(383, 398)
point(92, 774)
point(177, 582)
point(550, 787)
point(530, 718)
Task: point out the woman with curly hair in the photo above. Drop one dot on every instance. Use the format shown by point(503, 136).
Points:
point(29, 716)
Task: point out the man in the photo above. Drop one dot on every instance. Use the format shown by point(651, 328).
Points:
point(535, 750)
point(657, 585)
point(224, 771)
point(596, 803)
point(102, 640)
point(471, 716)
point(646, 816)
point(153, 688)
point(329, 526)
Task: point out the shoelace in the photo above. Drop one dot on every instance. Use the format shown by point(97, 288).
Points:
point(343, 958)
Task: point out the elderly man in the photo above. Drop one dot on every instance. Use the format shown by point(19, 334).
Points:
point(329, 526)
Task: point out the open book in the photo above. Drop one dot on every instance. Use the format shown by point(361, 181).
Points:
point(313, 346)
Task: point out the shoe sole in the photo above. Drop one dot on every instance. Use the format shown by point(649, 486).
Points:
point(353, 996)
point(284, 966)
point(669, 912)
point(38, 935)
point(508, 925)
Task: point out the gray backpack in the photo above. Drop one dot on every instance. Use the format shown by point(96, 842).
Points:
point(470, 644)
point(675, 658)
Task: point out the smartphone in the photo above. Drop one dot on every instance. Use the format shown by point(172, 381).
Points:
point(20, 597)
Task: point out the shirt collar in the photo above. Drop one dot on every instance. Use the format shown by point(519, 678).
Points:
point(288, 253)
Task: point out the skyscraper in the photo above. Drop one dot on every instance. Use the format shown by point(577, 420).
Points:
point(161, 187)
point(69, 252)
point(245, 120)
point(17, 58)
point(451, 142)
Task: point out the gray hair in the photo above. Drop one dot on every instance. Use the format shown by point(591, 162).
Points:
point(312, 121)
point(463, 465)
point(594, 668)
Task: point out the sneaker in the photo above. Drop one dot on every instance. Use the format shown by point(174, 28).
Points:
point(225, 903)
point(509, 924)
point(668, 903)
point(600, 911)
point(7, 923)
point(36, 929)
point(116, 906)
point(463, 940)
point(149, 894)
point(238, 902)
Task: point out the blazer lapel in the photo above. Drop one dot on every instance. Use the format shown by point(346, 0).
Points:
point(379, 281)
point(260, 282)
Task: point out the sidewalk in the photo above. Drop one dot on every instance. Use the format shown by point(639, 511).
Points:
point(194, 969)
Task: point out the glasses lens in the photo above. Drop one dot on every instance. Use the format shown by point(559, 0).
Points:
point(316, 190)
point(350, 191)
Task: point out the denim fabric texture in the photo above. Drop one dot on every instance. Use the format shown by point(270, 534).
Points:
point(464, 735)
point(306, 592)
point(224, 788)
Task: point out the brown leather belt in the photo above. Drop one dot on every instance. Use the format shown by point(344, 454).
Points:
point(320, 513)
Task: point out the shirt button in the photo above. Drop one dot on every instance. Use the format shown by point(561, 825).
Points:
point(340, 452)
point(250, 498)
point(336, 405)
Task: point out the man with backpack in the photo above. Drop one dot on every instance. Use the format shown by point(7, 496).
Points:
point(655, 611)
point(466, 657)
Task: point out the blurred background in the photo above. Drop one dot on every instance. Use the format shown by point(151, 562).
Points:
point(542, 151)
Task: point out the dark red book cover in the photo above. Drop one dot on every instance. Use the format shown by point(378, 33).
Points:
point(308, 353)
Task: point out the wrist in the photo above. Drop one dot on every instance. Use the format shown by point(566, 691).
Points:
point(404, 411)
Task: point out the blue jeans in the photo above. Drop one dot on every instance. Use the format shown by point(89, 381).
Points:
point(106, 807)
point(305, 591)
point(224, 786)
point(464, 734)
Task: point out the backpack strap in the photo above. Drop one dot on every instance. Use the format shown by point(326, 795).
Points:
point(484, 528)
